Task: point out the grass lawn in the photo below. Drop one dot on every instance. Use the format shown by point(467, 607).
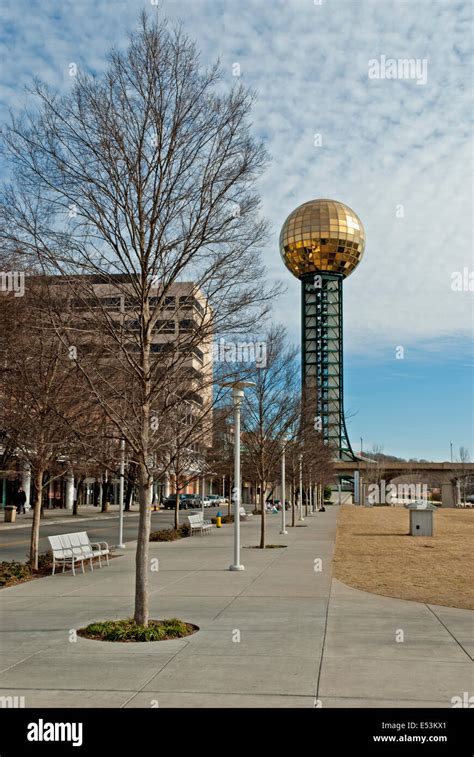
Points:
point(375, 553)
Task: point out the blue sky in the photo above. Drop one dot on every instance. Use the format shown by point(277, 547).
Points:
point(397, 152)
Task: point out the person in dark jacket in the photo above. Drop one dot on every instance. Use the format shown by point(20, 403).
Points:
point(20, 500)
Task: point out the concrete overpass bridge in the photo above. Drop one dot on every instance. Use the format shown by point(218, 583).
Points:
point(365, 470)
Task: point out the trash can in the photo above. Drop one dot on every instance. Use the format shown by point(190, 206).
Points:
point(421, 519)
point(10, 514)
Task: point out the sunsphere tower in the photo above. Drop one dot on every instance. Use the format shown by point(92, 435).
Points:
point(321, 243)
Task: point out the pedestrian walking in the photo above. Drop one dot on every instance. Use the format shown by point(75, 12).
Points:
point(20, 501)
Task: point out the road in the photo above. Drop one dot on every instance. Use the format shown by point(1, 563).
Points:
point(14, 544)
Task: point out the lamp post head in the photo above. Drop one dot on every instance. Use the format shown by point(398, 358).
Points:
point(238, 389)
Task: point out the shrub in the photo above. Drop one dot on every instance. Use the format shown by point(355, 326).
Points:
point(171, 534)
point(127, 630)
point(327, 493)
point(167, 534)
point(12, 572)
point(45, 561)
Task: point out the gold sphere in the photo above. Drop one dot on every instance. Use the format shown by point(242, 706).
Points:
point(322, 235)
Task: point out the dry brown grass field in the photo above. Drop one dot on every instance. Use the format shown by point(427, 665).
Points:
point(375, 553)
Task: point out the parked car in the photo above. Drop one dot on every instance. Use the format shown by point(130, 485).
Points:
point(192, 500)
point(185, 501)
point(207, 501)
point(216, 500)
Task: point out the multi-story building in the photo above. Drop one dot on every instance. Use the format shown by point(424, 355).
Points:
point(181, 340)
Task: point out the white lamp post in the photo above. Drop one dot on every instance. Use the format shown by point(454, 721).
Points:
point(237, 399)
point(283, 493)
point(301, 488)
point(121, 545)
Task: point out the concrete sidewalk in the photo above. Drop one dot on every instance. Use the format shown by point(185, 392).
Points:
point(280, 634)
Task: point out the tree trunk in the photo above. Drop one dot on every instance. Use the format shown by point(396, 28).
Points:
point(105, 494)
point(35, 526)
point(145, 485)
point(141, 561)
point(44, 482)
point(263, 516)
point(132, 473)
point(176, 508)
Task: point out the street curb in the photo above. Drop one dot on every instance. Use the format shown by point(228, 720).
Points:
point(68, 519)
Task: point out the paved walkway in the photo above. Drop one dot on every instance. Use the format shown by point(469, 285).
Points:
point(280, 634)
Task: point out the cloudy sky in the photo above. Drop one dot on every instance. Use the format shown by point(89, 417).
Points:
point(397, 151)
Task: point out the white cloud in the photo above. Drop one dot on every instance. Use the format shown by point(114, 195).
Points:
point(385, 142)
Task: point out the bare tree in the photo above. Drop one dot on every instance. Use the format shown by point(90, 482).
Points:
point(270, 409)
point(134, 180)
point(294, 451)
point(221, 454)
point(376, 472)
point(317, 457)
point(188, 432)
point(41, 397)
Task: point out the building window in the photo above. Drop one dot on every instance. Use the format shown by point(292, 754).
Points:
point(165, 327)
point(133, 325)
point(185, 303)
point(111, 302)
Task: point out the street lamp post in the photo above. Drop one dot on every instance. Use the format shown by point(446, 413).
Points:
point(237, 399)
point(121, 545)
point(283, 493)
point(451, 447)
point(301, 488)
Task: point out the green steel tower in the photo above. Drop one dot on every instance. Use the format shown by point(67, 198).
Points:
point(321, 243)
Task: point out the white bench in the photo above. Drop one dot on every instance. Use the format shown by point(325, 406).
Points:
point(243, 513)
point(197, 523)
point(69, 549)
